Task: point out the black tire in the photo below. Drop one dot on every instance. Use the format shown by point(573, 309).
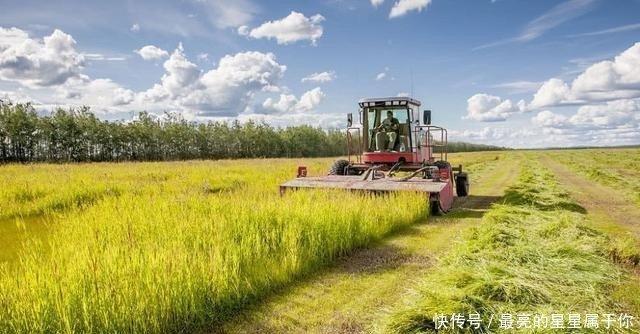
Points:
point(442, 164)
point(339, 167)
point(462, 185)
point(434, 207)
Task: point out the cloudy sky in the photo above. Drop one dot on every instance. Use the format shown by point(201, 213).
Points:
point(508, 72)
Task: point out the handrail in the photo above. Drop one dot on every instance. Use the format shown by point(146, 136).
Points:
point(430, 143)
point(358, 154)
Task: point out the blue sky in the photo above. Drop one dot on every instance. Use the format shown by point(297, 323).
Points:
point(509, 72)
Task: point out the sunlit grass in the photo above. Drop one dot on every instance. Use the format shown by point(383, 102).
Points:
point(161, 247)
point(178, 245)
point(612, 167)
point(533, 253)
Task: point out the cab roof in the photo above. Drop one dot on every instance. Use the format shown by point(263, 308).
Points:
point(387, 101)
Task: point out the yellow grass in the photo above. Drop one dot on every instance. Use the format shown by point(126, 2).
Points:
point(169, 246)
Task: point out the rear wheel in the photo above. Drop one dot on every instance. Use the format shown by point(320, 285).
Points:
point(339, 167)
point(462, 184)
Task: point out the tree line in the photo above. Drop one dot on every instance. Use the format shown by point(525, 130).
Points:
point(458, 146)
point(77, 135)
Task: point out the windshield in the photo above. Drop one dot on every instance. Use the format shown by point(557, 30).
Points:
point(377, 115)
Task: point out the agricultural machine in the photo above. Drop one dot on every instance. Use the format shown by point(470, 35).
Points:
point(389, 150)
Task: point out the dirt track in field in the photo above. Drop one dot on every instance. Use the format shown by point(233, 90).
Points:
point(350, 296)
point(601, 202)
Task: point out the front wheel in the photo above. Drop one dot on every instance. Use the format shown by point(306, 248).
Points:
point(339, 167)
point(434, 206)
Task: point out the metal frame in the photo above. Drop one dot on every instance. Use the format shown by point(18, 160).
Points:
point(358, 154)
point(431, 132)
point(381, 101)
point(433, 143)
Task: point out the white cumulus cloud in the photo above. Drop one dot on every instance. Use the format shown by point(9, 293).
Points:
point(151, 52)
point(320, 77)
point(50, 71)
point(101, 94)
point(549, 119)
point(607, 80)
point(611, 79)
point(376, 3)
point(402, 7)
point(34, 62)
point(290, 29)
point(552, 92)
point(181, 74)
point(489, 108)
point(222, 91)
point(288, 103)
point(613, 114)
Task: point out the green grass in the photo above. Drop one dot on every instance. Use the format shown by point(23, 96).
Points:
point(351, 295)
point(179, 246)
point(532, 253)
point(611, 167)
point(183, 246)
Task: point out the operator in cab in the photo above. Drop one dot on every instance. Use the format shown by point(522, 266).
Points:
point(387, 132)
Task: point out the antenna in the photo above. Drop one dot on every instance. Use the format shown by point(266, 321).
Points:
point(411, 74)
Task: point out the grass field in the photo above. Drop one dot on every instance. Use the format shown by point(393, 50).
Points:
point(501, 268)
point(614, 167)
point(200, 246)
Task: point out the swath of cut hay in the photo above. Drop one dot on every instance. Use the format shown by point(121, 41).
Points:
point(533, 253)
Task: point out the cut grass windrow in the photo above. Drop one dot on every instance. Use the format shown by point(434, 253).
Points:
point(532, 254)
point(616, 168)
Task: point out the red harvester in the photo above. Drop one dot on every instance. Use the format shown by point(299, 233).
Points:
point(413, 159)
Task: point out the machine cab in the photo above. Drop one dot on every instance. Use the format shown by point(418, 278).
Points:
point(391, 132)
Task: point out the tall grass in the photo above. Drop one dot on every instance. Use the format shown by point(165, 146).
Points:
point(532, 253)
point(181, 246)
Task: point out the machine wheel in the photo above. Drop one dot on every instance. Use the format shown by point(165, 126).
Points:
point(462, 184)
point(338, 167)
point(442, 164)
point(434, 207)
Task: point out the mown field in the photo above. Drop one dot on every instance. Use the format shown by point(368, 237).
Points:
point(190, 246)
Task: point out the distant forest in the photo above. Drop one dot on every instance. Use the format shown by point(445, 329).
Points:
point(458, 146)
point(77, 135)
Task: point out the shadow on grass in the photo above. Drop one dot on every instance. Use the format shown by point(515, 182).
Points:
point(377, 257)
point(472, 206)
point(377, 260)
point(468, 213)
point(82, 200)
